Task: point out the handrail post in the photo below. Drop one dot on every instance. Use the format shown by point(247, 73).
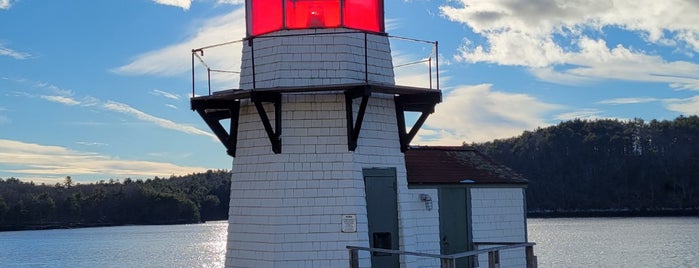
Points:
point(447, 263)
point(208, 73)
point(354, 258)
point(436, 60)
point(531, 258)
point(429, 64)
point(193, 74)
point(494, 259)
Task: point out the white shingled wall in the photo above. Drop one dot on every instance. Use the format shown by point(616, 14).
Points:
point(379, 147)
point(498, 216)
point(286, 208)
point(329, 57)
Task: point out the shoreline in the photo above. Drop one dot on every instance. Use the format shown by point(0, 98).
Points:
point(613, 213)
point(56, 226)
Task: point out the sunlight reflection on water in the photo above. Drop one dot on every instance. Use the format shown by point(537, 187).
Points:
point(190, 245)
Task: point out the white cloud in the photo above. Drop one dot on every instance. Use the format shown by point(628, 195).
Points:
point(175, 59)
point(164, 123)
point(184, 4)
point(230, 2)
point(5, 4)
point(688, 106)
point(63, 96)
point(4, 51)
point(586, 114)
point(478, 113)
point(29, 159)
point(91, 143)
point(563, 41)
point(168, 95)
point(61, 99)
point(620, 101)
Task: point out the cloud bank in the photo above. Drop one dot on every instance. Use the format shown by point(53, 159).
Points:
point(567, 41)
point(55, 162)
point(478, 113)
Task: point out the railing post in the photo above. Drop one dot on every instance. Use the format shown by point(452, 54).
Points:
point(436, 60)
point(193, 74)
point(531, 258)
point(429, 64)
point(494, 259)
point(447, 263)
point(354, 258)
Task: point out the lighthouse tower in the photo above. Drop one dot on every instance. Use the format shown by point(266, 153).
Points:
point(317, 133)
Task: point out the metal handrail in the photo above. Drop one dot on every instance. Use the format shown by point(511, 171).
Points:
point(449, 260)
point(198, 53)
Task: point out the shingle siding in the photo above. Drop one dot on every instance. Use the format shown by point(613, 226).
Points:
point(497, 215)
point(286, 209)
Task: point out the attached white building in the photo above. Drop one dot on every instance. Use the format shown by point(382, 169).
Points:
point(482, 203)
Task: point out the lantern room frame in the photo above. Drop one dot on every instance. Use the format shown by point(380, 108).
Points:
point(265, 16)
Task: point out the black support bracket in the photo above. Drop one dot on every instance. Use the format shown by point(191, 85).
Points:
point(354, 127)
point(274, 134)
point(213, 111)
point(423, 103)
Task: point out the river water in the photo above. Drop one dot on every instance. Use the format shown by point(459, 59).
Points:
point(616, 242)
point(585, 242)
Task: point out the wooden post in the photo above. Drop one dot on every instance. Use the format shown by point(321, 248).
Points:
point(531, 259)
point(494, 259)
point(354, 258)
point(447, 263)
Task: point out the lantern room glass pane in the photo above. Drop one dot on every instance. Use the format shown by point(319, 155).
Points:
point(364, 15)
point(264, 16)
point(302, 14)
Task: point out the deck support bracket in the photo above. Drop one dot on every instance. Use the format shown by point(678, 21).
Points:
point(274, 134)
point(213, 111)
point(355, 126)
point(423, 103)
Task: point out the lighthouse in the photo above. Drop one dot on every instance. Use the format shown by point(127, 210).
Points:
point(317, 132)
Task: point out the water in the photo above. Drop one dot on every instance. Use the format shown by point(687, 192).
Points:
point(198, 245)
point(592, 242)
point(616, 242)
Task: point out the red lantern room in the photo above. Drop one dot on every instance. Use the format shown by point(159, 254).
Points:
point(264, 16)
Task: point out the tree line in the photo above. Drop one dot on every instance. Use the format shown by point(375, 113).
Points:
point(178, 199)
point(578, 165)
point(612, 165)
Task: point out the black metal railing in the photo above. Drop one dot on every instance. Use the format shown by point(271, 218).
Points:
point(431, 60)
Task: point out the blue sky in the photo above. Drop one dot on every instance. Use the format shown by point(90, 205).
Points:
point(100, 89)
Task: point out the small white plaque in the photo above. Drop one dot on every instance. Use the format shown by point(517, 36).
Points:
point(349, 223)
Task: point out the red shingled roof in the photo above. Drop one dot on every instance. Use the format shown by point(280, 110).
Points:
point(456, 165)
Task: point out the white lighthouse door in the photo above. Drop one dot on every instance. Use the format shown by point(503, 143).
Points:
point(382, 214)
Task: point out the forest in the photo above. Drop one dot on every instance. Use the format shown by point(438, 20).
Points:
point(612, 166)
point(575, 168)
point(179, 199)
